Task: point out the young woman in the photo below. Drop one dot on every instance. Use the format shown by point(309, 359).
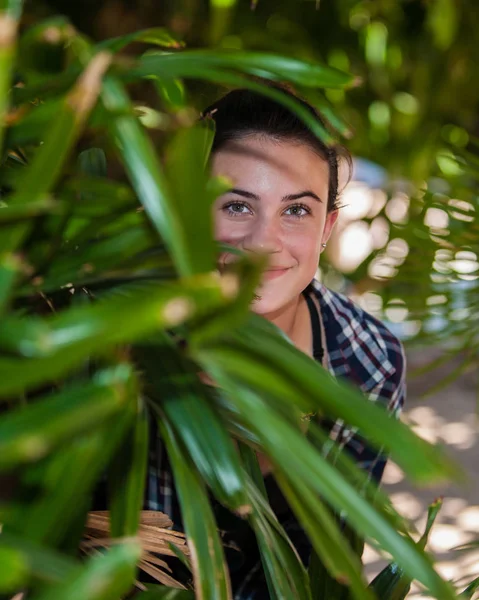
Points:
point(283, 203)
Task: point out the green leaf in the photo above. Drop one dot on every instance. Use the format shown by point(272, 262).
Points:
point(360, 479)
point(186, 157)
point(24, 212)
point(323, 584)
point(58, 514)
point(13, 8)
point(145, 173)
point(292, 454)
point(320, 527)
point(470, 590)
point(127, 478)
point(250, 463)
point(91, 259)
point(10, 267)
point(284, 571)
point(35, 123)
point(161, 592)
point(50, 158)
point(104, 577)
point(269, 66)
point(210, 572)
point(267, 362)
point(213, 74)
point(10, 11)
point(392, 583)
point(111, 195)
point(172, 92)
point(443, 22)
point(247, 270)
point(28, 434)
point(13, 569)
point(325, 535)
point(92, 162)
point(159, 36)
point(61, 342)
point(183, 402)
point(43, 564)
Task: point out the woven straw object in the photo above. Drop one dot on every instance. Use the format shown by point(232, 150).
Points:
point(155, 537)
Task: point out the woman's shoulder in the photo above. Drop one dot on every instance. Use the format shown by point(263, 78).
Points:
point(358, 344)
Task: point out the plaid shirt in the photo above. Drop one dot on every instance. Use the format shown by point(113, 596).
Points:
point(360, 349)
point(354, 346)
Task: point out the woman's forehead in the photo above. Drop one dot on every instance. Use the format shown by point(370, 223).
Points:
point(264, 162)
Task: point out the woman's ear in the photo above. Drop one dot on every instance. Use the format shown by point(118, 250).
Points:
point(331, 219)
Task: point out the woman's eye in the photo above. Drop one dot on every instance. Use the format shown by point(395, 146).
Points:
point(236, 208)
point(297, 211)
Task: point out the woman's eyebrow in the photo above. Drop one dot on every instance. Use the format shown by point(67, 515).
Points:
point(304, 194)
point(287, 198)
point(244, 193)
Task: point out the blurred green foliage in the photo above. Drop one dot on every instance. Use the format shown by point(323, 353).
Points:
point(100, 154)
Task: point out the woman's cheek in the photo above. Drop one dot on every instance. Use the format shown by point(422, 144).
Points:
point(306, 249)
point(228, 232)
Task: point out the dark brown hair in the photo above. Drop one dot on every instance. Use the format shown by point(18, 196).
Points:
point(242, 112)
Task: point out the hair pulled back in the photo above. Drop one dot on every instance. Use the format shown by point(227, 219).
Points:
point(242, 113)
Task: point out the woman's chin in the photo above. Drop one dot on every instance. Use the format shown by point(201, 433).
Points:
point(264, 305)
point(260, 307)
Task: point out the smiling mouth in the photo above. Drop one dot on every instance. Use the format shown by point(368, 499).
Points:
point(274, 273)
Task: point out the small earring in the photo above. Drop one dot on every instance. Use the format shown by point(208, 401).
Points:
point(323, 245)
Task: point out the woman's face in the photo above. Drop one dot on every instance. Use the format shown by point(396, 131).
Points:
point(277, 207)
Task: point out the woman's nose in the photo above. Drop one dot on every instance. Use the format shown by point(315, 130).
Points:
point(263, 238)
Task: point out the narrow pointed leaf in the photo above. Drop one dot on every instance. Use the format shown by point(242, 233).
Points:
point(92, 162)
point(360, 479)
point(104, 577)
point(159, 36)
point(127, 478)
point(160, 592)
point(210, 572)
point(10, 267)
point(146, 175)
point(392, 583)
point(97, 256)
point(291, 452)
point(64, 340)
point(183, 403)
point(326, 537)
point(24, 212)
point(13, 570)
point(300, 72)
point(46, 166)
point(186, 157)
point(43, 564)
point(57, 517)
point(28, 434)
point(172, 92)
point(286, 575)
point(266, 361)
point(238, 80)
point(470, 590)
point(9, 17)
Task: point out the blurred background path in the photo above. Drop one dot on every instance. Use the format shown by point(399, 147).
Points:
point(447, 417)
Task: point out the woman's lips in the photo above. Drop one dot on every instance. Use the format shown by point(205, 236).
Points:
point(274, 273)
